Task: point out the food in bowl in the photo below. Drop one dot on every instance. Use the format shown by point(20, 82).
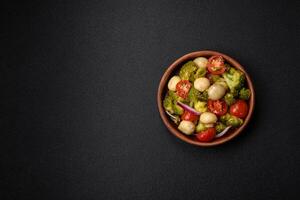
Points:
point(207, 97)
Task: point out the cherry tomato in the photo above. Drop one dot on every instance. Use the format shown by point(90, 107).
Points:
point(239, 109)
point(182, 88)
point(188, 116)
point(219, 107)
point(207, 135)
point(216, 65)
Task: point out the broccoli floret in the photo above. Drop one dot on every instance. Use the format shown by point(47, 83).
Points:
point(200, 127)
point(244, 94)
point(190, 71)
point(234, 121)
point(177, 109)
point(187, 71)
point(235, 80)
point(231, 120)
point(229, 99)
point(214, 78)
point(224, 118)
point(203, 96)
point(174, 96)
point(201, 71)
point(193, 96)
point(220, 127)
point(168, 103)
point(200, 106)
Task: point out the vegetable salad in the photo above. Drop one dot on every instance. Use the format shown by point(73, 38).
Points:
point(207, 98)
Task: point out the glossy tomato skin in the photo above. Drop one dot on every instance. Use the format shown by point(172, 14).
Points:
point(216, 65)
point(182, 88)
point(239, 109)
point(219, 107)
point(207, 135)
point(188, 116)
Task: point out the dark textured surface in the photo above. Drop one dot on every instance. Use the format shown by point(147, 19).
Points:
point(78, 111)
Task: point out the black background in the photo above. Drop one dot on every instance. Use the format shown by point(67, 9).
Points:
point(79, 118)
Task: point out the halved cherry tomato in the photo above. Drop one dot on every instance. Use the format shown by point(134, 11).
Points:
point(207, 135)
point(188, 116)
point(182, 88)
point(216, 65)
point(219, 107)
point(239, 109)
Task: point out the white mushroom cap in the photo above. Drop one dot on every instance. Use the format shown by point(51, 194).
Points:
point(201, 61)
point(201, 84)
point(216, 91)
point(187, 127)
point(173, 82)
point(208, 118)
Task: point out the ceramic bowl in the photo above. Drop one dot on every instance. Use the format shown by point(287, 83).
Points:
point(163, 88)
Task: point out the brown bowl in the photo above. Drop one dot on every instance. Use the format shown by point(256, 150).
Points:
point(162, 89)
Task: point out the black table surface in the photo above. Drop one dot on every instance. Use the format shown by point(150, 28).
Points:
point(79, 118)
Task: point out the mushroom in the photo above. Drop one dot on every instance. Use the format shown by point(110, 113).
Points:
point(173, 82)
point(201, 61)
point(187, 127)
point(201, 84)
point(208, 118)
point(216, 91)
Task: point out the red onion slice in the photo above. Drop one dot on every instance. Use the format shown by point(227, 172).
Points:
point(186, 107)
point(223, 132)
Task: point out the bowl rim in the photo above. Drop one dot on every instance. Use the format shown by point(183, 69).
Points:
point(163, 84)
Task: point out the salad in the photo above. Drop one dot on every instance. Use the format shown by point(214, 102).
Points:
point(207, 97)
